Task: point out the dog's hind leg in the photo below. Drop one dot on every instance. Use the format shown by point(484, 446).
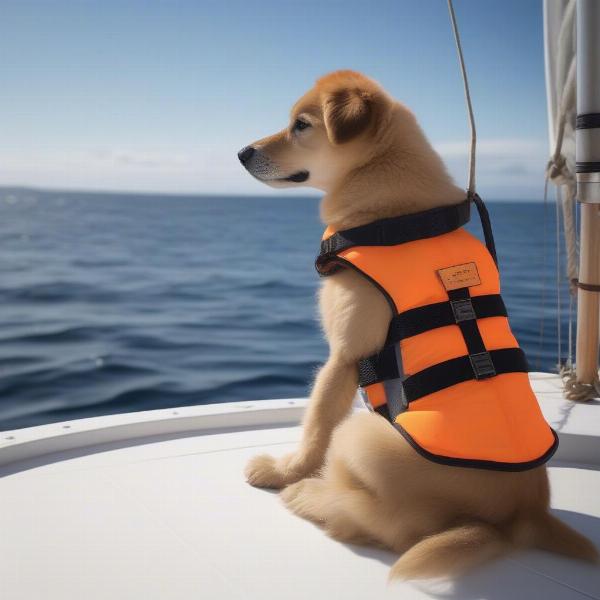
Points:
point(332, 507)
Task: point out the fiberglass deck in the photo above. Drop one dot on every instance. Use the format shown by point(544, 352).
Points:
point(154, 506)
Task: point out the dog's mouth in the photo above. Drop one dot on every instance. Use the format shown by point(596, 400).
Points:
point(299, 177)
point(262, 167)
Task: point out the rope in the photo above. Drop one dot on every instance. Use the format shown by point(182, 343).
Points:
point(471, 181)
point(558, 294)
point(576, 390)
point(573, 389)
point(543, 272)
point(560, 174)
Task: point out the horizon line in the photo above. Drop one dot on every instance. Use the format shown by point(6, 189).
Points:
point(311, 196)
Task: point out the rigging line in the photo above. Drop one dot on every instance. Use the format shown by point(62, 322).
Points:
point(471, 181)
point(544, 276)
point(558, 294)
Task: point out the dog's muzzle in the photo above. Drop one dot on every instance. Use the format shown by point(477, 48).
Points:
point(261, 167)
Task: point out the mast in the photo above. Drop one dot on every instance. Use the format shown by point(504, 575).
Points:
point(588, 188)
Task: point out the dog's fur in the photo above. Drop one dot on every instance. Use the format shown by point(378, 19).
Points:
point(356, 476)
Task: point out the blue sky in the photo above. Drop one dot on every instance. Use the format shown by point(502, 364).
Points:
point(158, 96)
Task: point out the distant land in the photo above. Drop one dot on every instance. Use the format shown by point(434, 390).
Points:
point(20, 190)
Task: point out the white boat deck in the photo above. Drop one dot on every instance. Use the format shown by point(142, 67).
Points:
point(154, 506)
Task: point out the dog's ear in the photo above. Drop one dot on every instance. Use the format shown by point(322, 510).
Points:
point(349, 112)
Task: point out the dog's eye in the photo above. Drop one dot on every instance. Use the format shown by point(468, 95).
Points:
point(299, 125)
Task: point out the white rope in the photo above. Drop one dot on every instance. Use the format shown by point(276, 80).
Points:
point(557, 246)
point(471, 181)
point(559, 173)
point(562, 176)
point(576, 390)
point(573, 389)
point(543, 273)
point(568, 206)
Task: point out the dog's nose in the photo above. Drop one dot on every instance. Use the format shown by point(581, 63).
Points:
point(245, 154)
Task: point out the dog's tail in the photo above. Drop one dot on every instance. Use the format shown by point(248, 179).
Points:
point(546, 532)
point(450, 552)
point(461, 548)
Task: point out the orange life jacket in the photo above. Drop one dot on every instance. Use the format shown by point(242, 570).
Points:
point(451, 376)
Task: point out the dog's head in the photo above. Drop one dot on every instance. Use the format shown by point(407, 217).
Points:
point(333, 128)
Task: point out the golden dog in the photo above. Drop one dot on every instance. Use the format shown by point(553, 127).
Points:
point(356, 476)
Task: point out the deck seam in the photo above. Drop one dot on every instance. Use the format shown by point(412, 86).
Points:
point(550, 578)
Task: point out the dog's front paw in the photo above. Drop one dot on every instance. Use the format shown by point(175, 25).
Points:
point(261, 471)
point(268, 472)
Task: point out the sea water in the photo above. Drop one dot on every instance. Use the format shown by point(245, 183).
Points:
point(113, 302)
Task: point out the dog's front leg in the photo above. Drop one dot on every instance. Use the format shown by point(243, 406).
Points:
point(330, 402)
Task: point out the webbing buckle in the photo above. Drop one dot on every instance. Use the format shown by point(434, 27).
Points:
point(482, 365)
point(463, 310)
point(327, 246)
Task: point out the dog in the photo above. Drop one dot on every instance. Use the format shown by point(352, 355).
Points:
point(353, 474)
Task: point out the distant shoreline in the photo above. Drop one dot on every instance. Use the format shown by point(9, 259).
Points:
point(25, 189)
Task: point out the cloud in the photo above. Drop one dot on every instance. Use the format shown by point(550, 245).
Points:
point(146, 160)
point(203, 169)
point(509, 168)
point(507, 147)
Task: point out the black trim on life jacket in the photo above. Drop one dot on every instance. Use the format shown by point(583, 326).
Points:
point(474, 463)
point(342, 262)
point(394, 231)
point(441, 314)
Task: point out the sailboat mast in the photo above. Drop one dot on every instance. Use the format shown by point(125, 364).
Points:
point(588, 187)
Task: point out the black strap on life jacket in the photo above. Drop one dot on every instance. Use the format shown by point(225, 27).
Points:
point(431, 316)
point(486, 225)
point(462, 310)
point(457, 370)
point(394, 231)
point(382, 367)
point(441, 375)
point(403, 229)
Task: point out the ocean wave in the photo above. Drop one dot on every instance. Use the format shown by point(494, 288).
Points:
point(58, 291)
point(67, 334)
point(149, 396)
point(275, 285)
